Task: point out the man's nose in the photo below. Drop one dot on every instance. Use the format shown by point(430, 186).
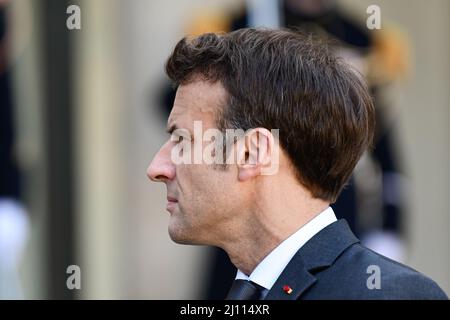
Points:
point(162, 168)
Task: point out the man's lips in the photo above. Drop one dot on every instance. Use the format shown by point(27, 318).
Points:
point(171, 199)
point(171, 202)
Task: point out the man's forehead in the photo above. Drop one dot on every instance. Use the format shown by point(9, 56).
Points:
point(196, 100)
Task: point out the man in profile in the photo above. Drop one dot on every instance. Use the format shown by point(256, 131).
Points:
point(303, 118)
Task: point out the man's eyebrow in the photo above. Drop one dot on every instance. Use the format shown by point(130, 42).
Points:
point(171, 128)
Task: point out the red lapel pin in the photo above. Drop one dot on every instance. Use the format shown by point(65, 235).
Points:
point(287, 289)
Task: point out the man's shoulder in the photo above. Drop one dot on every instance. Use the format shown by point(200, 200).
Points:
point(360, 273)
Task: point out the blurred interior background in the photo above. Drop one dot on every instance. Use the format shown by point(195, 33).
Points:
point(84, 111)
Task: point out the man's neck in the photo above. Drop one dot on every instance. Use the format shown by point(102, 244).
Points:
point(267, 228)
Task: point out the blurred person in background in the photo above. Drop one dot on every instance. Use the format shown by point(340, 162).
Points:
point(373, 202)
point(13, 217)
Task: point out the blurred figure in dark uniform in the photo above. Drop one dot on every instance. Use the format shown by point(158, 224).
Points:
point(13, 218)
point(376, 186)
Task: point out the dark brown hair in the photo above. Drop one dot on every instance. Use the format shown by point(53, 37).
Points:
point(287, 80)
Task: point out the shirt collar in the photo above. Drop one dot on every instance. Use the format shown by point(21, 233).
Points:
point(270, 268)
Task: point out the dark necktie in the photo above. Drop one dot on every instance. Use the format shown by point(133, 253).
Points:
point(244, 290)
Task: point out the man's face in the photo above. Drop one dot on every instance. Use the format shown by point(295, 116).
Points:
point(203, 200)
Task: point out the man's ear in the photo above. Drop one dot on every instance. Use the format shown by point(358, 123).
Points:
point(255, 153)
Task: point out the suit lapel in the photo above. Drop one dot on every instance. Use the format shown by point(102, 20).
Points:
point(295, 277)
point(318, 253)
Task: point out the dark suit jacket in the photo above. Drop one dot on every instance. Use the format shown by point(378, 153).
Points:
point(334, 265)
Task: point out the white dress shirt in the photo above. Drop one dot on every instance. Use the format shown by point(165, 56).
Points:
point(271, 267)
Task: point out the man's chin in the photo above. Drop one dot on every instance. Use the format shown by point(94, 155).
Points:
point(187, 238)
point(181, 237)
